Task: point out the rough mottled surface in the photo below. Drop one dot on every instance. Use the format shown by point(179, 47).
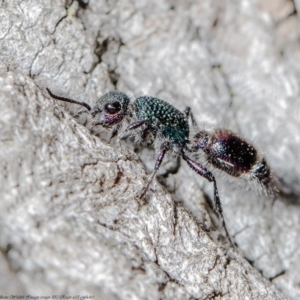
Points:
point(71, 222)
point(170, 123)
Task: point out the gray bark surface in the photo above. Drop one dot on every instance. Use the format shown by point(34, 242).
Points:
point(71, 220)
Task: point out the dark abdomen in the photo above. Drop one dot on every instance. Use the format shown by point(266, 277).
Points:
point(229, 152)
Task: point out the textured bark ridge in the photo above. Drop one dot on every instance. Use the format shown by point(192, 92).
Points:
point(71, 220)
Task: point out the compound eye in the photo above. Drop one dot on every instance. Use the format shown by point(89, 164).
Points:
point(113, 108)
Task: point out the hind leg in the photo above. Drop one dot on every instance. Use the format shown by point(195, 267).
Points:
point(199, 169)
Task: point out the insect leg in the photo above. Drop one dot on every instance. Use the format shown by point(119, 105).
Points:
point(199, 169)
point(188, 113)
point(165, 147)
point(136, 125)
point(80, 113)
point(115, 131)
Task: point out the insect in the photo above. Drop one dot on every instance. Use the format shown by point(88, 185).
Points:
point(161, 123)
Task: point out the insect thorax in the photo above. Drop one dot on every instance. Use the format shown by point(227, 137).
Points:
point(169, 122)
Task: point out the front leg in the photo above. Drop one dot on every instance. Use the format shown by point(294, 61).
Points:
point(135, 125)
point(115, 132)
point(80, 113)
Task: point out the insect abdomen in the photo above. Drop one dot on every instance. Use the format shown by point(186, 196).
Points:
point(231, 153)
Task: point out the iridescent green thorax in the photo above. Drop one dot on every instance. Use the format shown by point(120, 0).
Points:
point(169, 121)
